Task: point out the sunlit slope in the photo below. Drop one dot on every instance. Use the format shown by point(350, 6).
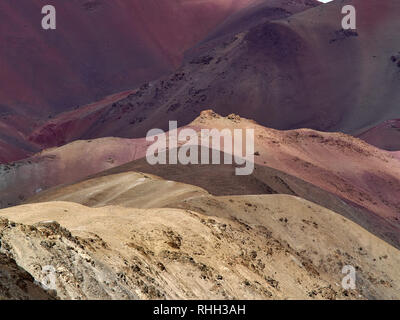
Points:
point(265, 247)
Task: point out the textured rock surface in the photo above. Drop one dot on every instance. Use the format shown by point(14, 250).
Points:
point(260, 247)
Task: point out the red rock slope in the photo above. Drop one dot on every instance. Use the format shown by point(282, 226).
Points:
point(100, 47)
point(385, 136)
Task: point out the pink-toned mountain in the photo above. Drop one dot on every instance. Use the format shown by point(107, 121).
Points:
point(14, 137)
point(385, 136)
point(289, 73)
point(336, 162)
point(73, 124)
point(65, 165)
point(362, 176)
point(99, 47)
point(176, 96)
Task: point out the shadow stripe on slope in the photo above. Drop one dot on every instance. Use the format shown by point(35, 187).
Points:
point(220, 180)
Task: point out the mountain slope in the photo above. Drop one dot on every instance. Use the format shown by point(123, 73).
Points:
point(17, 284)
point(191, 184)
point(332, 169)
point(99, 48)
point(182, 254)
point(300, 71)
point(385, 135)
point(176, 96)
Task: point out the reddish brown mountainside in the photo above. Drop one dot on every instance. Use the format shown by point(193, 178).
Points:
point(100, 47)
point(181, 94)
point(385, 136)
point(300, 71)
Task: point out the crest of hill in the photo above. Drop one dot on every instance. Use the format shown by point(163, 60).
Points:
point(364, 176)
point(236, 248)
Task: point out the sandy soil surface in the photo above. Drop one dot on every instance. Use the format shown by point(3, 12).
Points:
point(134, 189)
point(260, 247)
